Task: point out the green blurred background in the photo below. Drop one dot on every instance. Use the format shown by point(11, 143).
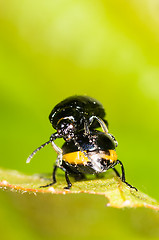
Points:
point(53, 49)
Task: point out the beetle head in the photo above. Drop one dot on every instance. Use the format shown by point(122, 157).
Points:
point(66, 128)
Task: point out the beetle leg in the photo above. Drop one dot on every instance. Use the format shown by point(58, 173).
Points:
point(59, 152)
point(104, 127)
point(54, 174)
point(56, 148)
point(69, 184)
point(123, 175)
point(117, 173)
point(101, 122)
point(115, 141)
point(53, 178)
point(95, 164)
point(86, 127)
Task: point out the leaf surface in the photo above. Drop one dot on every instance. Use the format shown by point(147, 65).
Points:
point(118, 194)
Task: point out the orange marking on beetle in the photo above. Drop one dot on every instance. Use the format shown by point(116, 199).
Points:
point(113, 156)
point(75, 158)
point(79, 157)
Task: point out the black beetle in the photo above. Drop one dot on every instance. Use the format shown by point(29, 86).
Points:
point(86, 150)
point(76, 113)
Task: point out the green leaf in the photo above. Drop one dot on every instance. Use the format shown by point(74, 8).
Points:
point(119, 195)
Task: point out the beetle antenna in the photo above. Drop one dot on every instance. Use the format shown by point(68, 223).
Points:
point(32, 155)
point(52, 138)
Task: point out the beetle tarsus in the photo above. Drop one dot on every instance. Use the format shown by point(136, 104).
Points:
point(53, 177)
point(48, 185)
point(131, 186)
point(68, 187)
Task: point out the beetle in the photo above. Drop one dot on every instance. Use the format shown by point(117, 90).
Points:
point(86, 150)
point(76, 113)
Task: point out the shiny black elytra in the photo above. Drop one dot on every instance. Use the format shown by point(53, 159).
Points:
point(86, 150)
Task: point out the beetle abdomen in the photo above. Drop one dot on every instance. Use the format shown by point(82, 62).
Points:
point(89, 162)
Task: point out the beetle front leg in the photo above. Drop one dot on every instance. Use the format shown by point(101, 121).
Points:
point(53, 178)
